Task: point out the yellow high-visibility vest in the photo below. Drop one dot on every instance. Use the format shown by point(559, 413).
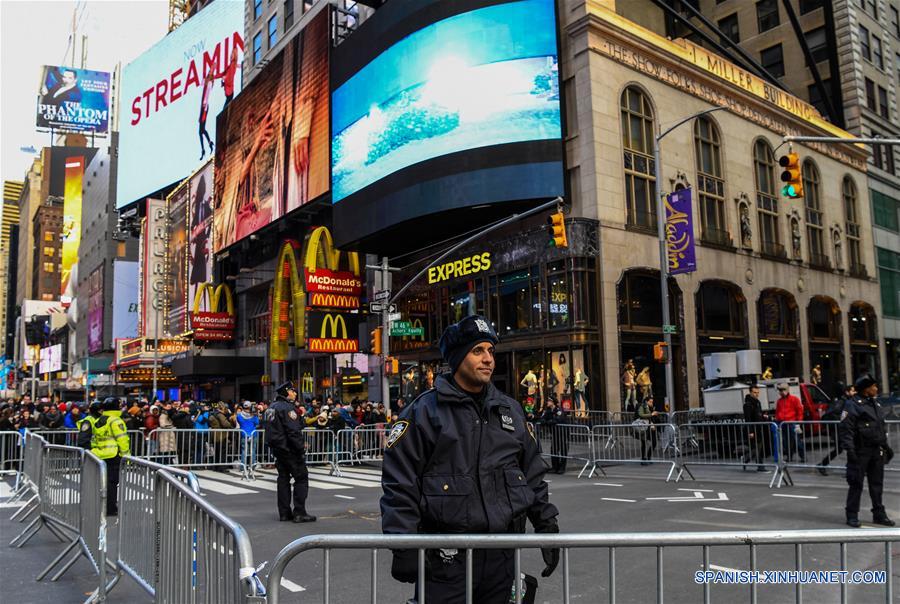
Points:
point(110, 438)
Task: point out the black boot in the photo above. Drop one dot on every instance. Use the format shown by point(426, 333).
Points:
point(284, 517)
point(853, 521)
point(304, 517)
point(883, 520)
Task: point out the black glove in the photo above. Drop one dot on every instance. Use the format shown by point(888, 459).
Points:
point(405, 566)
point(888, 454)
point(851, 456)
point(550, 554)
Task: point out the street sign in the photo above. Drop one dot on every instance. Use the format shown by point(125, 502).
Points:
point(401, 324)
point(375, 307)
point(670, 329)
point(383, 295)
point(407, 330)
point(394, 316)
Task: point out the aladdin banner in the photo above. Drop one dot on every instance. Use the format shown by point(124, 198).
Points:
point(680, 233)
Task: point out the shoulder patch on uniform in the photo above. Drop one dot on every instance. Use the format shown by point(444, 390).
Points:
point(397, 432)
point(844, 414)
point(85, 426)
point(530, 427)
point(292, 415)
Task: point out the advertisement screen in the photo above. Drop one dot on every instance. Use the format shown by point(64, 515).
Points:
point(176, 305)
point(482, 80)
point(95, 310)
point(200, 222)
point(50, 359)
point(125, 295)
point(171, 96)
point(71, 230)
point(272, 146)
point(73, 100)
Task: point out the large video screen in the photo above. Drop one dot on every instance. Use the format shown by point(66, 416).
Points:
point(73, 100)
point(478, 80)
point(171, 96)
point(272, 146)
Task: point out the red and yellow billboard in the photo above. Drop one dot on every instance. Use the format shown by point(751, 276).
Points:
point(71, 230)
point(213, 324)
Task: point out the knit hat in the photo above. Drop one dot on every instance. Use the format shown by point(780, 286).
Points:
point(458, 339)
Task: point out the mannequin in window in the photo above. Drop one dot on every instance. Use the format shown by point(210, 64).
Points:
point(629, 384)
point(530, 382)
point(581, 382)
point(644, 383)
point(552, 386)
point(767, 374)
point(816, 375)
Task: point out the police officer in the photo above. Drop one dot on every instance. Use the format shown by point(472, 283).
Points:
point(284, 435)
point(86, 424)
point(863, 436)
point(109, 442)
point(461, 459)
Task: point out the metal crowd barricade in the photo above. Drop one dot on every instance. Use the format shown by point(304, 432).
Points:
point(740, 444)
point(893, 436)
point(321, 447)
point(138, 553)
point(11, 451)
point(801, 540)
point(198, 448)
point(809, 444)
point(359, 445)
point(138, 444)
point(203, 555)
point(66, 437)
point(566, 442)
point(646, 444)
point(30, 477)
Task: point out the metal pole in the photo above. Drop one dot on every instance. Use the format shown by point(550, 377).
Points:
point(33, 378)
point(87, 380)
point(155, 342)
point(385, 338)
point(837, 139)
point(663, 255)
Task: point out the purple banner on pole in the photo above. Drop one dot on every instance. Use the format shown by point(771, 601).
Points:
point(680, 233)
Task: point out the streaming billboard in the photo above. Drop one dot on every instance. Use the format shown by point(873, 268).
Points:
point(71, 229)
point(171, 96)
point(126, 285)
point(95, 310)
point(272, 149)
point(445, 112)
point(73, 100)
point(176, 259)
point(200, 224)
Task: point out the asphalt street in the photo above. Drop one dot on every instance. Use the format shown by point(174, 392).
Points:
point(632, 498)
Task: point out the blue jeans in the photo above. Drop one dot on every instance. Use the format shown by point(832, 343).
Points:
point(248, 456)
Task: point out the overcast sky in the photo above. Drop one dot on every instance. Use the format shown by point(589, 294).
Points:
point(34, 33)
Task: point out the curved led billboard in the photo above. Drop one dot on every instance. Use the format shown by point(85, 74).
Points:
point(459, 106)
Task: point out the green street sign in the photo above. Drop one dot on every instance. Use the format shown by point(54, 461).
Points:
point(407, 331)
point(671, 329)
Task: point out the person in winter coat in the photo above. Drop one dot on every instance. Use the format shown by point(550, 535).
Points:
point(248, 421)
point(184, 423)
point(151, 423)
point(166, 441)
point(788, 409)
point(73, 416)
point(220, 424)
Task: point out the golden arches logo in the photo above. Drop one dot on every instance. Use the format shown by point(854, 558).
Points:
point(334, 321)
point(288, 304)
point(333, 300)
point(321, 253)
point(307, 384)
point(213, 295)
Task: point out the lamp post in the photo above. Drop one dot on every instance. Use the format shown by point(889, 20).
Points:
point(155, 341)
point(663, 255)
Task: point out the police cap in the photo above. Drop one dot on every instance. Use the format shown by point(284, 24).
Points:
point(863, 382)
point(459, 338)
point(110, 403)
point(283, 389)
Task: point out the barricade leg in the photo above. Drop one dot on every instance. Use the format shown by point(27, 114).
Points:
point(15, 541)
point(26, 506)
point(57, 560)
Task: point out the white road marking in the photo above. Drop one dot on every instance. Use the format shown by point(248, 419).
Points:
point(724, 510)
point(313, 483)
point(607, 484)
point(357, 469)
point(698, 496)
point(698, 490)
point(614, 499)
point(795, 496)
point(221, 487)
point(724, 569)
point(291, 586)
point(345, 496)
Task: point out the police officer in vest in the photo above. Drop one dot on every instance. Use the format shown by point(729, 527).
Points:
point(863, 435)
point(109, 442)
point(284, 435)
point(86, 424)
point(462, 459)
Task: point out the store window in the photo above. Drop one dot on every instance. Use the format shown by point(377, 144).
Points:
point(637, 141)
point(708, 151)
point(824, 317)
point(814, 220)
point(777, 315)
point(721, 309)
point(863, 324)
point(514, 295)
point(766, 200)
point(559, 303)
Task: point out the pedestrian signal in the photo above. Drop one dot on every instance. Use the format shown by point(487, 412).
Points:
point(375, 341)
point(661, 352)
point(791, 176)
point(391, 366)
point(558, 230)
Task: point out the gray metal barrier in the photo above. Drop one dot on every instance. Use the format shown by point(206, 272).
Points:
point(203, 555)
point(359, 445)
point(801, 540)
point(11, 451)
point(893, 437)
point(64, 437)
point(138, 553)
point(196, 448)
point(746, 445)
point(30, 477)
point(562, 442)
point(645, 444)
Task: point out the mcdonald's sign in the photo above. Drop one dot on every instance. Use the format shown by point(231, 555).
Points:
point(307, 384)
point(212, 324)
point(323, 286)
point(333, 332)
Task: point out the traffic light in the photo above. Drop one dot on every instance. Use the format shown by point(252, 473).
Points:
point(791, 176)
point(661, 352)
point(558, 230)
point(37, 330)
point(391, 366)
point(375, 341)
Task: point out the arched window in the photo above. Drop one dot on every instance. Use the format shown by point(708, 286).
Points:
point(863, 324)
point(637, 143)
point(721, 309)
point(824, 319)
point(766, 200)
point(707, 146)
point(814, 219)
point(777, 315)
point(851, 227)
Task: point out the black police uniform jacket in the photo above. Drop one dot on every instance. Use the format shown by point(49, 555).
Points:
point(455, 463)
point(863, 425)
point(284, 429)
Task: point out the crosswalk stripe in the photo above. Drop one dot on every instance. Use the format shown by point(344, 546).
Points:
point(263, 475)
point(351, 474)
point(222, 487)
